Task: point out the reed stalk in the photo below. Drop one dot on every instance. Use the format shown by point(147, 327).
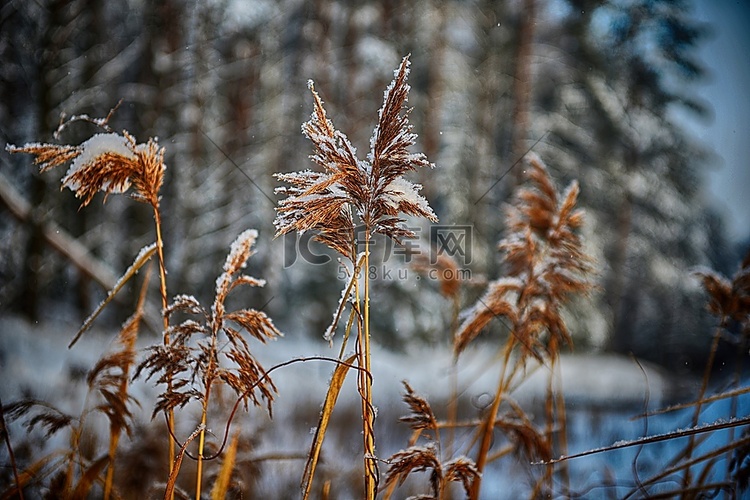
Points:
point(326, 201)
point(365, 378)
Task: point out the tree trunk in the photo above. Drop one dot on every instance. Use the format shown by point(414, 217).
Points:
point(522, 85)
point(49, 56)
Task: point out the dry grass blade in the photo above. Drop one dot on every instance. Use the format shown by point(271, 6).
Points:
point(710, 399)
point(687, 464)
point(175, 470)
point(31, 474)
point(88, 478)
point(346, 295)
point(145, 254)
point(224, 480)
point(334, 387)
point(740, 462)
point(708, 491)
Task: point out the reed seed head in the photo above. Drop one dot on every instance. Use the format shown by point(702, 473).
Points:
point(110, 163)
point(373, 188)
point(546, 264)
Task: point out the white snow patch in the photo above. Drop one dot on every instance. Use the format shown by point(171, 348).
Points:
point(95, 147)
point(241, 244)
point(400, 191)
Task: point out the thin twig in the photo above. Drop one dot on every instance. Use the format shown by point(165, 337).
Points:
point(265, 376)
point(716, 426)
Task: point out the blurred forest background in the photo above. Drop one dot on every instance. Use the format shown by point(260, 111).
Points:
point(590, 86)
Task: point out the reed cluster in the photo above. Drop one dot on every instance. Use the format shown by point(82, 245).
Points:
point(205, 356)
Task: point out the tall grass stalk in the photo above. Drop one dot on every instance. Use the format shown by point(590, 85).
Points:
point(128, 339)
point(196, 351)
point(546, 265)
point(374, 189)
point(112, 163)
point(165, 321)
point(365, 378)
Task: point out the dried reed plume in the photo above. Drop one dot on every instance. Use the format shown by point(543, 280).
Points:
point(74, 476)
point(729, 301)
point(546, 265)
point(374, 189)
point(112, 163)
point(212, 349)
point(422, 458)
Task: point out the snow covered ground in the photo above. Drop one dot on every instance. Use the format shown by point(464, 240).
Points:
point(602, 392)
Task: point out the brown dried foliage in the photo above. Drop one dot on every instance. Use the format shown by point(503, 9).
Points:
point(74, 472)
point(729, 299)
point(110, 171)
point(421, 416)
point(48, 156)
point(528, 441)
point(111, 375)
point(422, 458)
point(546, 265)
point(415, 459)
point(374, 188)
point(192, 359)
point(112, 163)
